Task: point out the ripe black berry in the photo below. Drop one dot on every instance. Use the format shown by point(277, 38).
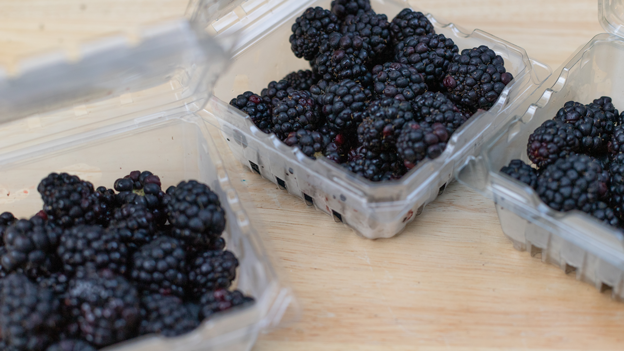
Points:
point(160, 267)
point(212, 270)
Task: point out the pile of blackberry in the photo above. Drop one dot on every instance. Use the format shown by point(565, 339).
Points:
point(578, 161)
point(98, 266)
point(369, 76)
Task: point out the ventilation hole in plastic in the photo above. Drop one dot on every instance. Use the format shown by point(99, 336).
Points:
point(280, 183)
point(441, 191)
point(605, 288)
point(308, 200)
point(254, 167)
point(569, 269)
point(337, 216)
point(536, 252)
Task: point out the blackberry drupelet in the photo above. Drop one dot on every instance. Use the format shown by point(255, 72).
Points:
point(257, 107)
point(30, 316)
point(344, 56)
point(71, 345)
point(343, 8)
point(6, 219)
point(31, 245)
point(92, 246)
point(142, 188)
point(616, 141)
point(519, 170)
point(418, 141)
point(296, 111)
point(576, 182)
point(409, 23)
point(160, 267)
point(343, 104)
point(195, 212)
point(616, 185)
point(375, 166)
point(221, 300)
point(134, 224)
point(551, 141)
point(605, 214)
point(55, 282)
point(373, 28)
point(310, 30)
point(310, 143)
point(398, 81)
point(106, 307)
point(476, 78)
point(165, 315)
point(212, 270)
point(429, 54)
point(383, 123)
point(437, 108)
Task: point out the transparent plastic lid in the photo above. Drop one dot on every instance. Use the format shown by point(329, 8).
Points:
point(611, 16)
point(157, 67)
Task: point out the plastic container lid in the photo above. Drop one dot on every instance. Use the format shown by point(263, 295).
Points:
point(610, 14)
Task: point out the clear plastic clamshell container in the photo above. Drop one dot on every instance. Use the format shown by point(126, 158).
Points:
point(374, 210)
point(130, 102)
point(574, 241)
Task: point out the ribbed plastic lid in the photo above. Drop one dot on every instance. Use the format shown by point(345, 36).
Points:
point(611, 16)
point(177, 57)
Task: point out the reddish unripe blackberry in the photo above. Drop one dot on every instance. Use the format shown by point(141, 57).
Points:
point(476, 77)
point(221, 300)
point(519, 170)
point(418, 141)
point(257, 107)
point(551, 141)
point(310, 30)
point(576, 182)
point(410, 23)
point(397, 81)
point(431, 55)
point(106, 307)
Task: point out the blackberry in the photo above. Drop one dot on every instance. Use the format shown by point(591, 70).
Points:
point(55, 282)
point(605, 214)
point(301, 80)
point(339, 143)
point(160, 267)
point(195, 212)
point(398, 81)
point(310, 30)
point(142, 188)
point(257, 107)
point(344, 56)
point(551, 141)
point(30, 246)
point(343, 8)
point(430, 54)
point(409, 23)
point(616, 185)
point(212, 270)
point(165, 315)
point(375, 166)
point(594, 127)
point(437, 108)
point(383, 123)
point(418, 141)
point(3, 271)
point(296, 111)
point(310, 143)
point(616, 141)
point(30, 315)
point(134, 224)
point(93, 246)
point(343, 104)
point(576, 182)
point(604, 104)
point(6, 219)
point(70, 201)
point(71, 345)
point(106, 307)
point(476, 78)
point(221, 300)
point(373, 28)
point(519, 170)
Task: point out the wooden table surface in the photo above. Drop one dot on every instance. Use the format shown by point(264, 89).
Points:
point(451, 280)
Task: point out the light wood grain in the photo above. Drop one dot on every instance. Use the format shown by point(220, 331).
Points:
point(451, 280)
